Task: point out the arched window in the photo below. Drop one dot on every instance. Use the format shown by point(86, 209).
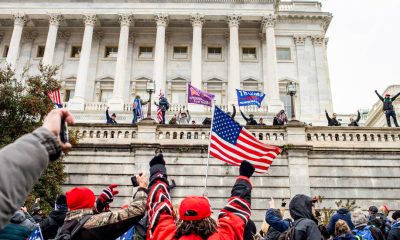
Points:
point(104, 89)
point(177, 88)
point(285, 98)
point(251, 84)
point(68, 88)
point(217, 87)
point(138, 87)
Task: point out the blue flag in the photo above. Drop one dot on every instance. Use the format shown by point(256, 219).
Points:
point(247, 98)
point(36, 235)
point(128, 235)
point(137, 104)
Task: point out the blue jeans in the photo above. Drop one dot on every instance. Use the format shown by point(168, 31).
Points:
point(134, 120)
point(393, 115)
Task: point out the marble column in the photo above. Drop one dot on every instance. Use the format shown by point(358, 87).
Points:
point(159, 55)
point(116, 103)
point(26, 53)
point(324, 85)
point(78, 102)
point(13, 50)
point(271, 84)
point(234, 61)
point(196, 75)
point(54, 22)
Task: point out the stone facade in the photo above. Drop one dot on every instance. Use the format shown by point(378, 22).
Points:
point(336, 163)
point(107, 52)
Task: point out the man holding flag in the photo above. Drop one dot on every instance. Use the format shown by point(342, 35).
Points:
point(137, 109)
point(163, 106)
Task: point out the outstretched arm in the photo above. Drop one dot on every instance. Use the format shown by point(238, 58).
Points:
point(327, 116)
point(189, 117)
point(379, 96)
point(358, 116)
point(244, 116)
point(233, 218)
point(234, 112)
point(395, 96)
point(107, 115)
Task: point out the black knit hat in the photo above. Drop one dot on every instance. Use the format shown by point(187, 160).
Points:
point(157, 165)
point(246, 169)
point(396, 215)
point(373, 209)
point(61, 199)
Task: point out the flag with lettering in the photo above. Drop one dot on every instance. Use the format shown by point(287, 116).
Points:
point(232, 143)
point(247, 98)
point(36, 235)
point(55, 97)
point(159, 110)
point(198, 96)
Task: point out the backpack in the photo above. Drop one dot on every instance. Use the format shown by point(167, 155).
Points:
point(365, 233)
point(289, 234)
point(70, 235)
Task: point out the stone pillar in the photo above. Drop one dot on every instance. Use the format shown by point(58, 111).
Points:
point(27, 43)
point(234, 61)
point(13, 50)
point(159, 55)
point(271, 85)
point(60, 53)
point(324, 85)
point(196, 78)
point(54, 22)
point(116, 103)
point(78, 102)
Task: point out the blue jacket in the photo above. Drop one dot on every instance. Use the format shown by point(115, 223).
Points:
point(274, 219)
point(341, 214)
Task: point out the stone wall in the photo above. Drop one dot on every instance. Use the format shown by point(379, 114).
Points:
point(367, 171)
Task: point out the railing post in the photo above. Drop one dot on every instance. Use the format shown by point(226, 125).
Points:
point(147, 130)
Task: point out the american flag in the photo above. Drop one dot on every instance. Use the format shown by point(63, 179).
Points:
point(159, 112)
point(55, 97)
point(232, 143)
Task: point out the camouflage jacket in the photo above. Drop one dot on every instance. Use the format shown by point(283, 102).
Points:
point(107, 225)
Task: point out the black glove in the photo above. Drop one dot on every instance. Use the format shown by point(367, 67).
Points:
point(246, 169)
point(283, 204)
point(157, 169)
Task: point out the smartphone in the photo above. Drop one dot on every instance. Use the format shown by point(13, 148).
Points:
point(64, 132)
point(134, 181)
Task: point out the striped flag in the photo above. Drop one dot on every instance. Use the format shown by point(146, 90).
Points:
point(36, 234)
point(232, 143)
point(55, 97)
point(159, 112)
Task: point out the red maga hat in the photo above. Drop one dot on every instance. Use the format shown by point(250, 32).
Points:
point(194, 208)
point(80, 198)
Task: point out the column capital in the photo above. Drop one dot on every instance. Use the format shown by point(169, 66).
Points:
point(55, 19)
point(90, 19)
point(29, 36)
point(125, 19)
point(20, 19)
point(233, 20)
point(299, 39)
point(318, 40)
point(161, 19)
point(63, 35)
point(197, 20)
point(269, 21)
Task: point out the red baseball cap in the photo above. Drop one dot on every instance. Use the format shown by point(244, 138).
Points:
point(80, 198)
point(197, 207)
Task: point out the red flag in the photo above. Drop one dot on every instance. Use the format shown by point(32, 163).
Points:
point(55, 97)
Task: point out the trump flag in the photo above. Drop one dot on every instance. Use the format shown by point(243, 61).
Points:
point(198, 96)
point(247, 98)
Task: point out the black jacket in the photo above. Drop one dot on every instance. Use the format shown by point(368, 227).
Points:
point(305, 224)
point(354, 123)
point(394, 233)
point(249, 121)
point(163, 104)
point(387, 102)
point(332, 121)
point(50, 225)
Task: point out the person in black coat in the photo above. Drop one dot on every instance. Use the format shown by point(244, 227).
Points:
point(394, 233)
point(332, 121)
point(55, 220)
point(249, 120)
point(304, 222)
point(111, 120)
point(388, 107)
point(249, 230)
point(163, 104)
point(354, 122)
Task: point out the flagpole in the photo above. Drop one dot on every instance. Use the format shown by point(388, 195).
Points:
point(209, 143)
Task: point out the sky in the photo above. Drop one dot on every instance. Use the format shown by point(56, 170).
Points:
point(363, 50)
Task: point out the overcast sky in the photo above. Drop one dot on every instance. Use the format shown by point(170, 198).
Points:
point(363, 50)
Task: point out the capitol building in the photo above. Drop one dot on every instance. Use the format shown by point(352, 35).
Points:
point(108, 52)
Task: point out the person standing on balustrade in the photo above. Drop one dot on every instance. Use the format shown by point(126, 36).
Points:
point(137, 109)
point(388, 107)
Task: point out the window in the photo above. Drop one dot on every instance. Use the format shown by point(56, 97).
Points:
point(179, 97)
point(76, 51)
point(145, 52)
point(105, 95)
point(111, 52)
point(180, 52)
point(214, 53)
point(249, 54)
point(69, 94)
point(283, 54)
point(5, 51)
point(40, 51)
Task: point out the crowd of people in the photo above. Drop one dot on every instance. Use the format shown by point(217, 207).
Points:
point(79, 214)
